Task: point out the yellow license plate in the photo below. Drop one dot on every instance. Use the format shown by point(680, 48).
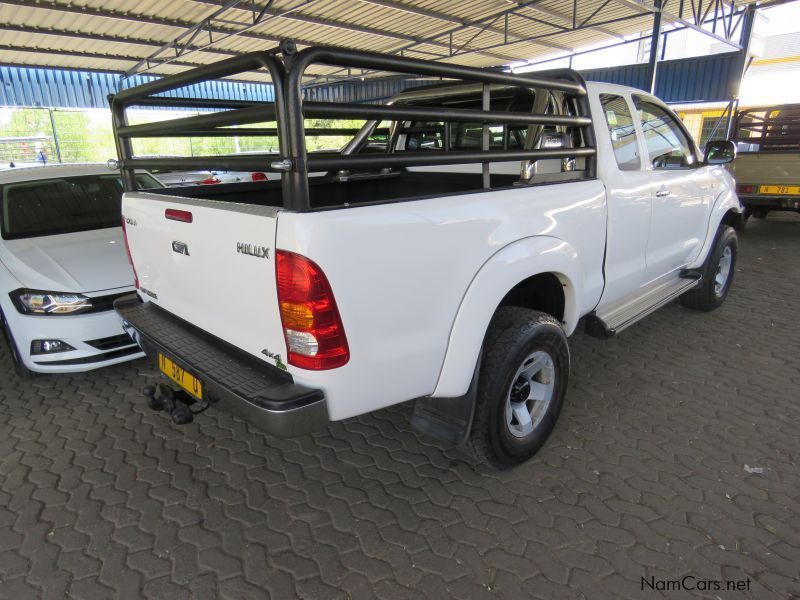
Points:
point(181, 376)
point(780, 190)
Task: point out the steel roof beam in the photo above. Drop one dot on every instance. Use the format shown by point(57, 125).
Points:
point(261, 14)
point(345, 26)
point(97, 37)
point(483, 24)
point(81, 54)
point(99, 56)
point(381, 32)
point(565, 19)
point(645, 7)
point(462, 23)
point(536, 38)
point(155, 20)
point(487, 24)
point(94, 37)
point(152, 20)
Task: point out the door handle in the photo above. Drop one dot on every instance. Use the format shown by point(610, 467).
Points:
point(662, 193)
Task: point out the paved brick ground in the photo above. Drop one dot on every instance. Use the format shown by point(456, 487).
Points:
point(676, 454)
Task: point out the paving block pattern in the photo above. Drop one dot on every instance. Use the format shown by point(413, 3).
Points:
point(676, 454)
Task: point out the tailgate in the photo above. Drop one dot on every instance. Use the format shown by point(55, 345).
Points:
point(216, 272)
point(767, 168)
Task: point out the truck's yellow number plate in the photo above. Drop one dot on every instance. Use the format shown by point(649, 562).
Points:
point(182, 377)
point(780, 190)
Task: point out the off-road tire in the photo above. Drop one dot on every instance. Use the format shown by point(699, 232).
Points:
point(514, 334)
point(706, 297)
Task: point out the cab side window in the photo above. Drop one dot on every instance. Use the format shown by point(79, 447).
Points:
point(622, 130)
point(667, 144)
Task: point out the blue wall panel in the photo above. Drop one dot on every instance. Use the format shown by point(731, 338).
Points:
point(362, 91)
point(702, 79)
point(632, 75)
point(706, 78)
point(21, 86)
point(699, 79)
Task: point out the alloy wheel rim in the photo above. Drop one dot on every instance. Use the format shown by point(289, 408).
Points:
point(723, 271)
point(531, 393)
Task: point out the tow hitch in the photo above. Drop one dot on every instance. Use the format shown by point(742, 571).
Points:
point(176, 402)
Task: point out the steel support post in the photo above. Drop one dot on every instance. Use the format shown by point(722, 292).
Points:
point(55, 134)
point(740, 66)
point(655, 42)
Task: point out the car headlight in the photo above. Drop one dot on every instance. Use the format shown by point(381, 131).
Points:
point(35, 302)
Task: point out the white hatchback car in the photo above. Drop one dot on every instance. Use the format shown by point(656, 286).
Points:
point(62, 265)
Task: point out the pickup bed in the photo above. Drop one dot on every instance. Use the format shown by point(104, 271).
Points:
point(767, 168)
point(444, 257)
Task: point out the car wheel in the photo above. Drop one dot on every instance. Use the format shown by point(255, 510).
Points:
point(19, 367)
point(717, 271)
point(522, 382)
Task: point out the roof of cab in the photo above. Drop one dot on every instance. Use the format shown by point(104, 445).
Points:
point(52, 171)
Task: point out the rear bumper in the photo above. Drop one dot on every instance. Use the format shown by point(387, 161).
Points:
point(770, 202)
point(258, 392)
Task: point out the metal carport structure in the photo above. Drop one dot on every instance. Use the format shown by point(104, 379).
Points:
point(152, 37)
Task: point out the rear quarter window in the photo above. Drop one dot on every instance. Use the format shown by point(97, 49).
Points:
point(622, 130)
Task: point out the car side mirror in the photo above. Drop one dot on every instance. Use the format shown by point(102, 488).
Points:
point(720, 152)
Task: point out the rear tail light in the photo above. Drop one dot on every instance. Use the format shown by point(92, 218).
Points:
point(173, 214)
point(313, 329)
point(258, 176)
point(128, 252)
point(210, 181)
point(744, 189)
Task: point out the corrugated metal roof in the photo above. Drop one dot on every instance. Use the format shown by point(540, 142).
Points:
point(116, 34)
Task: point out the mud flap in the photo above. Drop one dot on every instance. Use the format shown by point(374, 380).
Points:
point(448, 420)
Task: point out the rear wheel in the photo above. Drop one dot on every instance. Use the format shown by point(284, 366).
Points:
point(718, 273)
point(19, 367)
point(523, 380)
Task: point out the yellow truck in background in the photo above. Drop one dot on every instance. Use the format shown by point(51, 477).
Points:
point(767, 166)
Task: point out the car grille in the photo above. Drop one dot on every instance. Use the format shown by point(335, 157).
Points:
point(93, 359)
point(104, 303)
point(110, 343)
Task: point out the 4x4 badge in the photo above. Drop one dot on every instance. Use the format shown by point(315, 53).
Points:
point(276, 358)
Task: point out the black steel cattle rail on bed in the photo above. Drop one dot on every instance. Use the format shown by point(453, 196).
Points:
point(289, 110)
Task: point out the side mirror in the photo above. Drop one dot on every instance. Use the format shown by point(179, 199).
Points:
point(720, 152)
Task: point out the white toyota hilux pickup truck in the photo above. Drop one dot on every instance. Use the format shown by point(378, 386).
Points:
point(466, 231)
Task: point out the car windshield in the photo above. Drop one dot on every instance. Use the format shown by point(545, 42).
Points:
point(64, 205)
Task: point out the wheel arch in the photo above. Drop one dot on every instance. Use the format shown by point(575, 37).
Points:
point(526, 265)
point(727, 210)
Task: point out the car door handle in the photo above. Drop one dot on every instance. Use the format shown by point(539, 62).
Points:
point(662, 193)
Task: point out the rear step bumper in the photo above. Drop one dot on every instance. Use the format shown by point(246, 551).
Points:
point(259, 393)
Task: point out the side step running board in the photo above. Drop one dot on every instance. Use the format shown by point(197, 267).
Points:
point(605, 325)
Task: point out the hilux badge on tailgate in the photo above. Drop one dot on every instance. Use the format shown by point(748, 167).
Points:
point(252, 250)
